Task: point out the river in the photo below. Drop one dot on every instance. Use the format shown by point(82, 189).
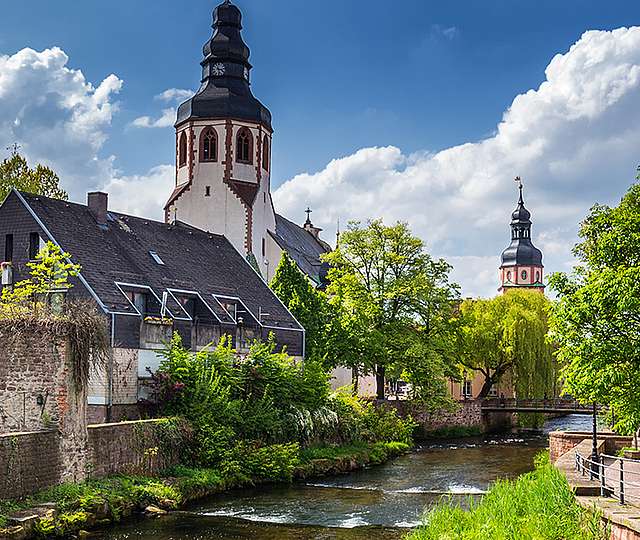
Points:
point(379, 503)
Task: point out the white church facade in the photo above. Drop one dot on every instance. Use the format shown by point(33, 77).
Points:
point(223, 161)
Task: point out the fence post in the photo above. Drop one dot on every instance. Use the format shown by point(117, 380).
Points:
point(621, 481)
point(602, 478)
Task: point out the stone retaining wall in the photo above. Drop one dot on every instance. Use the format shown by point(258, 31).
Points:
point(467, 414)
point(29, 462)
point(139, 447)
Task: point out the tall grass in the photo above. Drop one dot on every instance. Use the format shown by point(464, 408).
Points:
point(536, 506)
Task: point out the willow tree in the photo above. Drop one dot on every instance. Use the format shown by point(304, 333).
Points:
point(506, 336)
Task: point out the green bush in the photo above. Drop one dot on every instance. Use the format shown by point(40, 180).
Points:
point(266, 397)
point(536, 506)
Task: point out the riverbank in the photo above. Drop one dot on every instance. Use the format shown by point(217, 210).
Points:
point(70, 509)
point(539, 505)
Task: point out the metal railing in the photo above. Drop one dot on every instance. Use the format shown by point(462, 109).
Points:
point(612, 475)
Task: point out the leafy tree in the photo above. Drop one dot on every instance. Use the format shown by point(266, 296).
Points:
point(390, 288)
point(506, 336)
point(16, 173)
point(308, 305)
point(50, 272)
point(597, 318)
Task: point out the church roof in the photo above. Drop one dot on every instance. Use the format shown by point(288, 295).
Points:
point(303, 248)
point(225, 91)
point(521, 251)
point(121, 252)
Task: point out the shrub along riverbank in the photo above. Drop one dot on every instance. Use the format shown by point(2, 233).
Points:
point(263, 418)
point(67, 509)
point(536, 506)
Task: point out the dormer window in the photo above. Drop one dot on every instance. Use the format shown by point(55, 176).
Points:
point(156, 258)
point(244, 143)
point(182, 150)
point(209, 145)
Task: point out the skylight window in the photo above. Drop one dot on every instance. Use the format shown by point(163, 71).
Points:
point(156, 258)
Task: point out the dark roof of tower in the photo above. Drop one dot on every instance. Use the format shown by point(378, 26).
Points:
point(521, 251)
point(303, 248)
point(226, 95)
point(120, 252)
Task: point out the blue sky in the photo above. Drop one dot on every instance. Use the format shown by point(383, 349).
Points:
point(338, 75)
point(407, 110)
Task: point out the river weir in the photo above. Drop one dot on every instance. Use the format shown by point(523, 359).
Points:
point(382, 502)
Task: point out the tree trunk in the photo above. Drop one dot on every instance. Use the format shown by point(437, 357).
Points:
point(489, 381)
point(355, 380)
point(380, 373)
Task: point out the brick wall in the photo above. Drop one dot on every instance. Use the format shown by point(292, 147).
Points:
point(560, 442)
point(29, 462)
point(140, 447)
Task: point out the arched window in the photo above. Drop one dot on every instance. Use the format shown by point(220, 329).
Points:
point(182, 150)
point(538, 277)
point(244, 145)
point(265, 153)
point(509, 276)
point(209, 145)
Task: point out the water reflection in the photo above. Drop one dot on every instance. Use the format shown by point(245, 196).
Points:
point(381, 502)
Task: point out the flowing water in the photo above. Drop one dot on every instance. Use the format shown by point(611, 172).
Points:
point(378, 503)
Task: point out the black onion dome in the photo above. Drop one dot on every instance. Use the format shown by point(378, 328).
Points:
point(521, 251)
point(225, 90)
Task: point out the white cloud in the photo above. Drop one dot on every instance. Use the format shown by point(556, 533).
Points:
point(56, 116)
point(168, 115)
point(574, 140)
point(174, 94)
point(167, 119)
point(447, 32)
point(142, 195)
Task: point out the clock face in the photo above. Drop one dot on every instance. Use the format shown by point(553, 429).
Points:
point(217, 70)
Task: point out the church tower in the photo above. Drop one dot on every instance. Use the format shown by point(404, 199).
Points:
point(521, 262)
point(223, 147)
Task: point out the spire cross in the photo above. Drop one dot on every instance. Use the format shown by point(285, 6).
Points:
point(518, 180)
point(308, 211)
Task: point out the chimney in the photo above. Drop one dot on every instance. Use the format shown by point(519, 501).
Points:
point(97, 202)
point(313, 231)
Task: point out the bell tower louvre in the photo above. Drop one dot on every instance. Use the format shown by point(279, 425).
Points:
point(223, 146)
point(521, 262)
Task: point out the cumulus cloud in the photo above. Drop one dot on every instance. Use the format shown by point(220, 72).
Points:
point(125, 192)
point(168, 115)
point(56, 116)
point(574, 140)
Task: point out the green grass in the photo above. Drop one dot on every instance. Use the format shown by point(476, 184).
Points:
point(536, 506)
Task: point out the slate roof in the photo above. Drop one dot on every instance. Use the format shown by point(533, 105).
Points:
point(193, 259)
point(521, 251)
point(303, 248)
point(227, 94)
